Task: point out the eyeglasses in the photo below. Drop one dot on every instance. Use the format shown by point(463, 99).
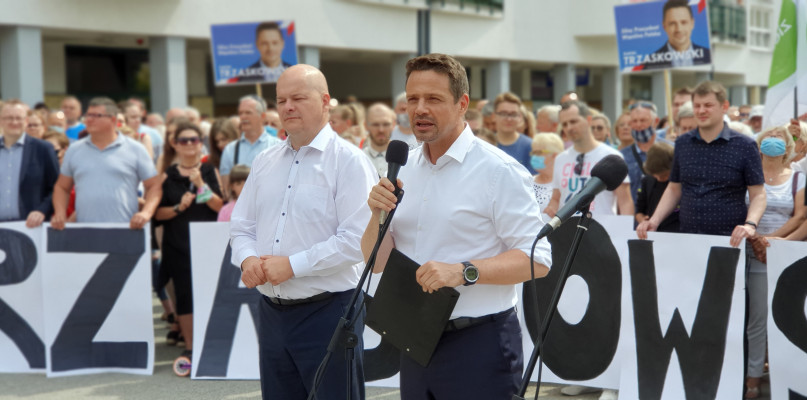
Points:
point(96, 115)
point(643, 104)
point(34, 125)
point(187, 140)
point(578, 168)
point(508, 115)
point(15, 119)
point(597, 128)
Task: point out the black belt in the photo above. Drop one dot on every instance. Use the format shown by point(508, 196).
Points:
point(467, 322)
point(296, 302)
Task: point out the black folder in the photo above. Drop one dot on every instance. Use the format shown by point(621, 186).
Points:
point(407, 317)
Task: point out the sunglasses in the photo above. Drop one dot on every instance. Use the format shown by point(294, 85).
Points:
point(187, 140)
point(642, 104)
point(597, 128)
point(578, 168)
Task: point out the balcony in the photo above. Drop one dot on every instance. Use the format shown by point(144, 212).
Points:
point(478, 7)
point(728, 22)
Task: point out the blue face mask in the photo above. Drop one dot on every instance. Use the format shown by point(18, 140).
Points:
point(538, 162)
point(772, 147)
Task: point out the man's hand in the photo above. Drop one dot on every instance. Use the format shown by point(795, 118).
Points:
point(57, 222)
point(139, 220)
point(277, 269)
point(644, 227)
point(433, 275)
point(35, 219)
point(252, 272)
point(382, 197)
point(741, 232)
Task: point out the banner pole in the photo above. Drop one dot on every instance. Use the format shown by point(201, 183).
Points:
point(668, 97)
point(258, 90)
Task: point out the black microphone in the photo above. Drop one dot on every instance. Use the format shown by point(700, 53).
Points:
point(397, 154)
point(606, 174)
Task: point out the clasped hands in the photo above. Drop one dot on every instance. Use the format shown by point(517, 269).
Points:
point(272, 269)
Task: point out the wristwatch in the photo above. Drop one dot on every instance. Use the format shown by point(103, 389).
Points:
point(470, 273)
point(752, 223)
point(176, 208)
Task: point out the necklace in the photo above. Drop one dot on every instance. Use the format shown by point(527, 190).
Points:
point(191, 167)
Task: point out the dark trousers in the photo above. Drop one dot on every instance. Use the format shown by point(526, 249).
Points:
point(481, 362)
point(293, 341)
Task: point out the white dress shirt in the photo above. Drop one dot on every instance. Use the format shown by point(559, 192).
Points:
point(309, 205)
point(378, 158)
point(476, 202)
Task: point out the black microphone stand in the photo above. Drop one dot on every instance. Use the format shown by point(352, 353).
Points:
point(582, 227)
point(343, 335)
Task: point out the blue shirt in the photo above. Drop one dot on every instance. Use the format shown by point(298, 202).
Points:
point(714, 178)
point(10, 166)
point(106, 180)
point(634, 172)
point(73, 131)
point(247, 151)
point(520, 150)
point(156, 139)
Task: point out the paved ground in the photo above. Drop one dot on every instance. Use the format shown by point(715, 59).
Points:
point(163, 384)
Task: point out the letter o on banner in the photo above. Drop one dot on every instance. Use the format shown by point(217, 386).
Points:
point(585, 350)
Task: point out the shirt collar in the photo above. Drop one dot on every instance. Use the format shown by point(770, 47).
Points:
point(725, 133)
point(262, 138)
point(117, 142)
point(20, 141)
point(671, 49)
point(458, 150)
point(373, 153)
point(320, 142)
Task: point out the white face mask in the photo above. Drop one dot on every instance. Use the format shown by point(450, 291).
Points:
point(403, 120)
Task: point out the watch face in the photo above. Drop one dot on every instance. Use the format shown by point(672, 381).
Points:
point(471, 274)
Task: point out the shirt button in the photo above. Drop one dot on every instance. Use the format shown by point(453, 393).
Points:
point(289, 186)
point(277, 240)
point(296, 162)
point(283, 214)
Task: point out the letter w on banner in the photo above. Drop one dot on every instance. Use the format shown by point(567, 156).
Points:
point(685, 306)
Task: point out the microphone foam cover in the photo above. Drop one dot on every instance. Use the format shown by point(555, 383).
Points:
point(397, 152)
point(612, 170)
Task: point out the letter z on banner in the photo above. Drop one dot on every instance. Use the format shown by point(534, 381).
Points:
point(97, 305)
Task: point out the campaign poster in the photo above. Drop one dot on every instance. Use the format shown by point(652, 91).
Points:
point(662, 34)
point(250, 53)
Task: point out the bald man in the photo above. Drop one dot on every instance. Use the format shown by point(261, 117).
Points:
point(296, 232)
point(379, 123)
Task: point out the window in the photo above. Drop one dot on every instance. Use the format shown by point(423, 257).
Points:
point(760, 27)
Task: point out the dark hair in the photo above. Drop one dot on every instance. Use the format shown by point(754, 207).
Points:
point(582, 107)
point(168, 150)
point(111, 107)
point(239, 173)
point(708, 87)
point(41, 106)
point(676, 4)
point(442, 64)
point(220, 125)
point(187, 125)
point(268, 26)
point(686, 90)
point(659, 158)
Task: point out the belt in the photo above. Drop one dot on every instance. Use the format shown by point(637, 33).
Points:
point(297, 302)
point(467, 322)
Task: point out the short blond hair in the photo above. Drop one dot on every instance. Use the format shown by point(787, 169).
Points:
point(790, 145)
point(547, 141)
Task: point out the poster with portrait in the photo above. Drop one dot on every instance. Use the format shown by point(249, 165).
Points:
point(662, 34)
point(250, 53)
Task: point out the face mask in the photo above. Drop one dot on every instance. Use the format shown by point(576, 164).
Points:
point(56, 128)
point(772, 147)
point(644, 135)
point(403, 120)
point(538, 162)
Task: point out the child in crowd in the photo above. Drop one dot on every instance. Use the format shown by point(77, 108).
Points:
point(657, 169)
point(238, 176)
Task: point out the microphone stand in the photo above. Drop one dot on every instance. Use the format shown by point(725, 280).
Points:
point(582, 227)
point(343, 335)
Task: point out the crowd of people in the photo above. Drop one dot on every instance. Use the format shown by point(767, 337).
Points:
point(708, 168)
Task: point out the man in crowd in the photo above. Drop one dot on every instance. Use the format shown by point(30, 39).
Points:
point(28, 169)
point(686, 121)
point(174, 113)
point(573, 165)
point(380, 123)
point(133, 113)
point(56, 121)
point(403, 130)
point(680, 97)
point(477, 243)
point(71, 108)
point(508, 115)
point(296, 232)
point(755, 119)
point(546, 118)
point(106, 168)
point(643, 121)
point(713, 168)
point(254, 139)
point(745, 112)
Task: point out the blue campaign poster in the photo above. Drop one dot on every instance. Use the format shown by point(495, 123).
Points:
point(662, 34)
point(250, 53)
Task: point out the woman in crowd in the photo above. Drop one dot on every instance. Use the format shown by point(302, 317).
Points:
point(601, 129)
point(545, 147)
point(784, 213)
point(36, 125)
point(190, 193)
point(657, 166)
point(622, 131)
point(168, 157)
point(221, 132)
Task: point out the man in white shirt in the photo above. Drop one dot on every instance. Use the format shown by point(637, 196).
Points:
point(573, 166)
point(298, 241)
point(469, 218)
point(380, 122)
point(403, 130)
